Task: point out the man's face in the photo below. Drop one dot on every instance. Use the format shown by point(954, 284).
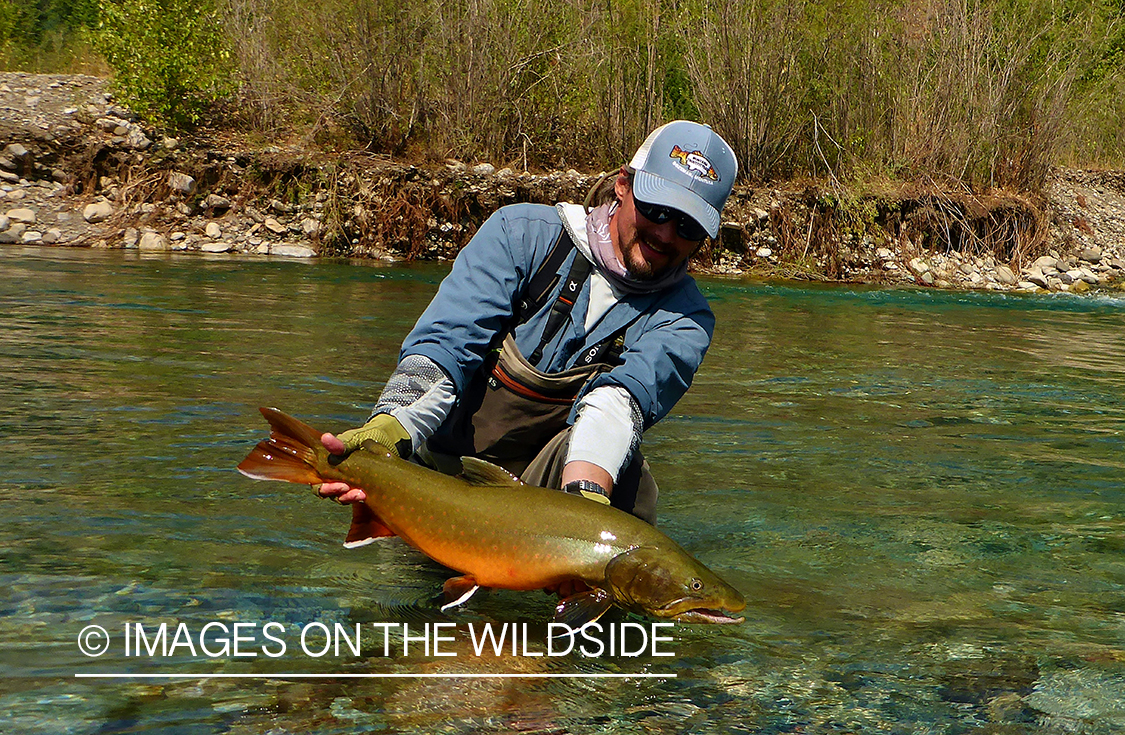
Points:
point(647, 250)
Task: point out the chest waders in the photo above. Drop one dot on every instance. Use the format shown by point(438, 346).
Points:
point(514, 415)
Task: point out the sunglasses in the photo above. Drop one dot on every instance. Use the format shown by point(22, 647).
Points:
point(686, 227)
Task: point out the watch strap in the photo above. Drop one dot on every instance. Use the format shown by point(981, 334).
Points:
point(587, 489)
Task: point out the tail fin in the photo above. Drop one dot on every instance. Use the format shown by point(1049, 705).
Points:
point(291, 453)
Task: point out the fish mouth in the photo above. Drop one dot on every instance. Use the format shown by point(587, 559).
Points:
point(686, 611)
point(708, 616)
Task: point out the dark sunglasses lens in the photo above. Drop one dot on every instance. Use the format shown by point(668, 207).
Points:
point(686, 227)
point(654, 213)
point(689, 229)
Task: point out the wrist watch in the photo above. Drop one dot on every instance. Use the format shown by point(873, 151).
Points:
point(587, 489)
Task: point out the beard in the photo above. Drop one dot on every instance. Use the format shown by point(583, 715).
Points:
point(635, 264)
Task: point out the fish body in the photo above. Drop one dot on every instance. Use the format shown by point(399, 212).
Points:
point(499, 532)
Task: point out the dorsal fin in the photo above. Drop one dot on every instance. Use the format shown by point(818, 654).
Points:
point(479, 472)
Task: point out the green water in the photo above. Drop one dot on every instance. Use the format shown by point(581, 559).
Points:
point(921, 495)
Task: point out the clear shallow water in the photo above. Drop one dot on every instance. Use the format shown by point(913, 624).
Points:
point(921, 495)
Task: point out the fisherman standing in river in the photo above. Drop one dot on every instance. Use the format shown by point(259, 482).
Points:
point(563, 333)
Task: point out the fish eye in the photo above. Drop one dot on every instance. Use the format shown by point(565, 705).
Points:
point(696, 585)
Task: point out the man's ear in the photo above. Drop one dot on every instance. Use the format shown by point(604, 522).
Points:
point(621, 186)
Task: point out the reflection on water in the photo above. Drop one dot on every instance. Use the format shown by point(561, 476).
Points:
point(920, 494)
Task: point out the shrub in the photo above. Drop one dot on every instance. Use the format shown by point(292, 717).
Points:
point(169, 57)
point(48, 36)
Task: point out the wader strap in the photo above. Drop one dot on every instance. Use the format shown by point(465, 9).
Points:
point(544, 279)
point(543, 282)
point(560, 310)
point(608, 351)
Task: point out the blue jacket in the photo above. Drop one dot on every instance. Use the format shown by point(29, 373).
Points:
point(665, 343)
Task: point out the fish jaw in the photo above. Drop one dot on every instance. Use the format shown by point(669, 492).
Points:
point(708, 617)
point(694, 611)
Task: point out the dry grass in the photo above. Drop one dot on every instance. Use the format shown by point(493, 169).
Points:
point(980, 93)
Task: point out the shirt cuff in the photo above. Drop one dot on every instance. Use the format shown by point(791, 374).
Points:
point(607, 430)
point(420, 395)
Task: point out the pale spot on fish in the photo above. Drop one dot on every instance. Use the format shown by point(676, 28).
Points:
point(602, 548)
point(607, 536)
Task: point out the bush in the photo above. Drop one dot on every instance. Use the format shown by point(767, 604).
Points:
point(169, 57)
point(47, 36)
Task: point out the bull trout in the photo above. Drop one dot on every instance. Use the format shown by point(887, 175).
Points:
point(499, 532)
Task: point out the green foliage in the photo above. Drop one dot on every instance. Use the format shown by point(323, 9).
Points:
point(169, 57)
point(10, 19)
point(980, 92)
point(30, 21)
point(45, 35)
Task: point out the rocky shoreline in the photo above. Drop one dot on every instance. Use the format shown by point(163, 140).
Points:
point(78, 170)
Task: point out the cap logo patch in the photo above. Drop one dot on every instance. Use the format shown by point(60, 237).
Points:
point(694, 163)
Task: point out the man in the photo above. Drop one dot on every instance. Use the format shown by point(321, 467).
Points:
point(563, 333)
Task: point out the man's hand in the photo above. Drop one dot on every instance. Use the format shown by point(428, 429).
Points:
point(341, 492)
point(382, 428)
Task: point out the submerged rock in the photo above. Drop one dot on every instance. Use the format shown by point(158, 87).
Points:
point(978, 680)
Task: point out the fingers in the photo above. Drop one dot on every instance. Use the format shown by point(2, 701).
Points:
point(341, 492)
point(355, 495)
point(332, 489)
point(333, 443)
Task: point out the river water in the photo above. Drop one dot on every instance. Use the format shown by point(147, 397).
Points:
point(920, 493)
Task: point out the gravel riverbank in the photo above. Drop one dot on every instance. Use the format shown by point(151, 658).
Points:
point(78, 170)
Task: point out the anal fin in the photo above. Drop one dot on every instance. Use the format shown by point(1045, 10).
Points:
point(458, 590)
point(366, 527)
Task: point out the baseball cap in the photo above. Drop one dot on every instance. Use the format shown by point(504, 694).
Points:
point(687, 166)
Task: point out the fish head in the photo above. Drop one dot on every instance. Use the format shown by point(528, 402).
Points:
point(670, 584)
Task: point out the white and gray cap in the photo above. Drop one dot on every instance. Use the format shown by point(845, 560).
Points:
point(686, 166)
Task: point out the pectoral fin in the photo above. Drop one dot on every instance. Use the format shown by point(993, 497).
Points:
point(366, 527)
point(578, 611)
point(458, 590)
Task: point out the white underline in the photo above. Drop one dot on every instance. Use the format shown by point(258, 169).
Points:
point(375, 676)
